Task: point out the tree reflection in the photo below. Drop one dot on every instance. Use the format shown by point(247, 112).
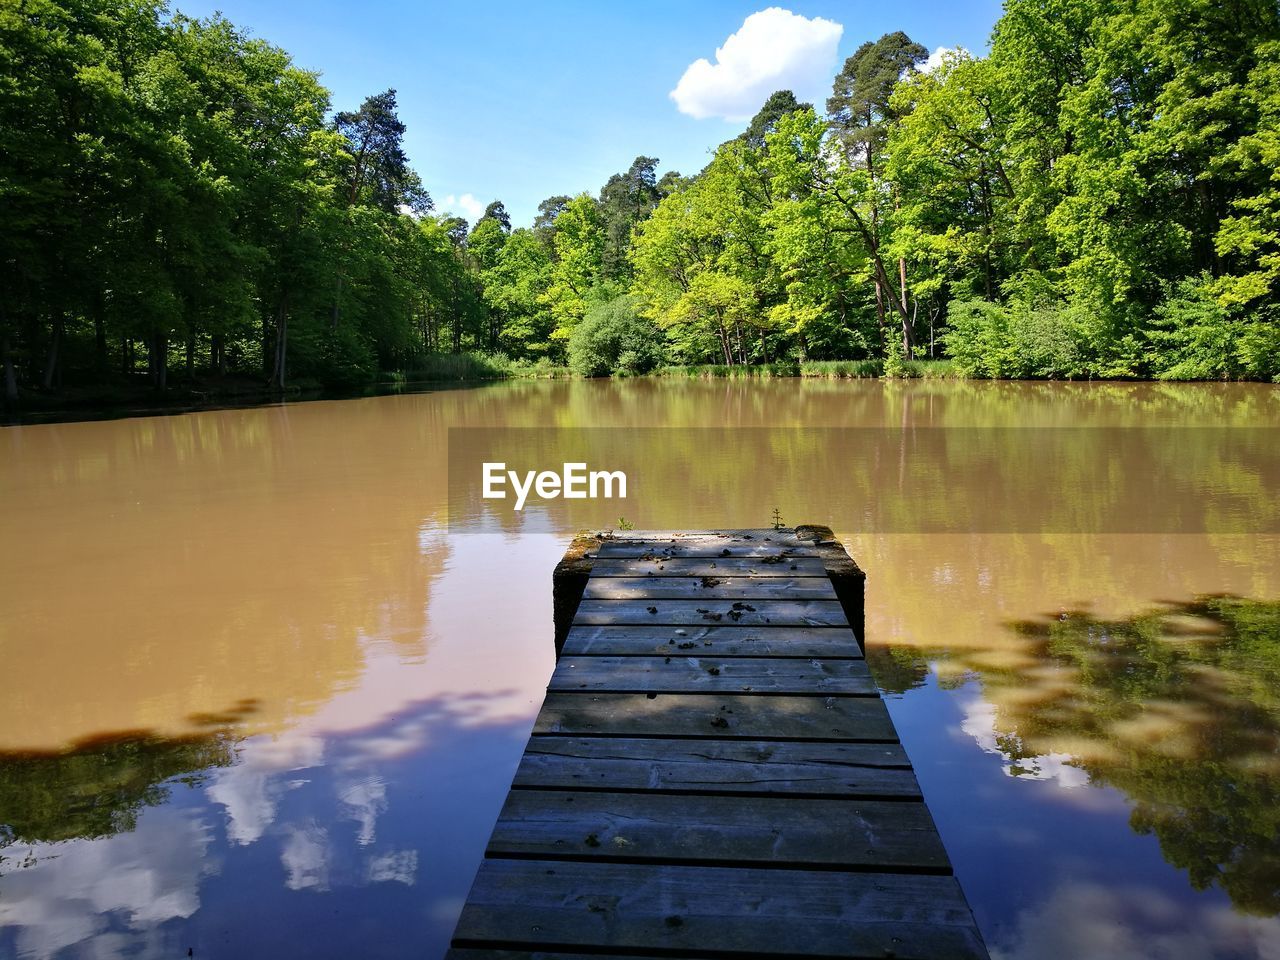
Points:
point(98, 787)
point(1180, 709)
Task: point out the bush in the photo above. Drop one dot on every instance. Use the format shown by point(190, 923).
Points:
point(842, 369)
point(335, 358)
point(614, 338)
point(1026, 339)
point(1196, 338)
point(722, 371)
point(461, 366)
point(930, 370)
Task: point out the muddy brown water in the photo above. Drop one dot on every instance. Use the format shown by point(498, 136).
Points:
point(266, 675)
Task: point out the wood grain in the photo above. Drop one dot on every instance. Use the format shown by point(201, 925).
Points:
point(710, 588)
point(705, 674)
point(780, 613)
point(723, 716)
point(733, 641)
point(671, 908)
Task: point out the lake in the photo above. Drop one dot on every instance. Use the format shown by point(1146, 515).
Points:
point(268, 672)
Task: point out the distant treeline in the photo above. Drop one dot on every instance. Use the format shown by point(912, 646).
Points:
point(1098, 197)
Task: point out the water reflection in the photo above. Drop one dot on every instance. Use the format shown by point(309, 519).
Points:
point(1180, 709)
point(250, 830)
point(99, 786)
point(336, 691)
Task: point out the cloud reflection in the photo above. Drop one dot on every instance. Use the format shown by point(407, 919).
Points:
point(1134, 923)
point(305, 855)
point(77, 889)
point(250, 791)
point(980, 724)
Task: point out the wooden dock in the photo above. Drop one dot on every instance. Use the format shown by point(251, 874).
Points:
point(713, 772)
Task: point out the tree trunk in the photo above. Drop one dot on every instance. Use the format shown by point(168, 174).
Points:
point(99, 334)
point(158, 360)
point(217, 351)
point(55, 346)
point(724, 344)
point(457, 319)
point(268, 358)
point(191, 355)
point(880, 308)
point(280, 360)
point(907, 342)
point(6, 360)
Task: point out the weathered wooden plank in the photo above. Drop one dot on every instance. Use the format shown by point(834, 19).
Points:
point(672, 908)
point(623, 549)
point(723, 716)
point(661, 539)
point(707, 674)
point(733, 641)
point(798, 613)
point(709, 588)
point(802, 832)
point(709, 567)
point(775, 768)
point(712, 775)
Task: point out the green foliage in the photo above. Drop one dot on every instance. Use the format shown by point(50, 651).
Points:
point(513, 289)
point(1198, 769)
point(461, 366)
point(1198, 338)
point(1097, 197)
point(99, 787)
point(723, 371)
point(625, 200)
point(614, 338)
point(579, 264)
point(842, 369)
point(1025, 338)
point(781, 103)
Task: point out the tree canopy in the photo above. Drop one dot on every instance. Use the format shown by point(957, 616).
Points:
point(1097, 197)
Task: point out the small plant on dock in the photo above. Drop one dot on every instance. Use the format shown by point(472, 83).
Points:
point(625, 524)
point(777, 519)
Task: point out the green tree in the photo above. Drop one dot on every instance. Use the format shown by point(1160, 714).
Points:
point(513, 289)
point(578, 266)
point(862, 110)
point(781, 103)
point(613, 337)
point(625, 200)
point(703, 268)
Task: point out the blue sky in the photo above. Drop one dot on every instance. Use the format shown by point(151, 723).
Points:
point(519, 101)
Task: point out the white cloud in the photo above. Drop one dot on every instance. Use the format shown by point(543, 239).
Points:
point(774, 49)
point(464, 206)
point(938, 56)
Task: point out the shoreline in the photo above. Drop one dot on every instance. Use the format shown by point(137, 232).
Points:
point(85, 405)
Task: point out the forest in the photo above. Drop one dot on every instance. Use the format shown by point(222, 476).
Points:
point(1096, 197)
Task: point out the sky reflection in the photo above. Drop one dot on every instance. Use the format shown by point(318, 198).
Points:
point(306, 754)
point(360, 841)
